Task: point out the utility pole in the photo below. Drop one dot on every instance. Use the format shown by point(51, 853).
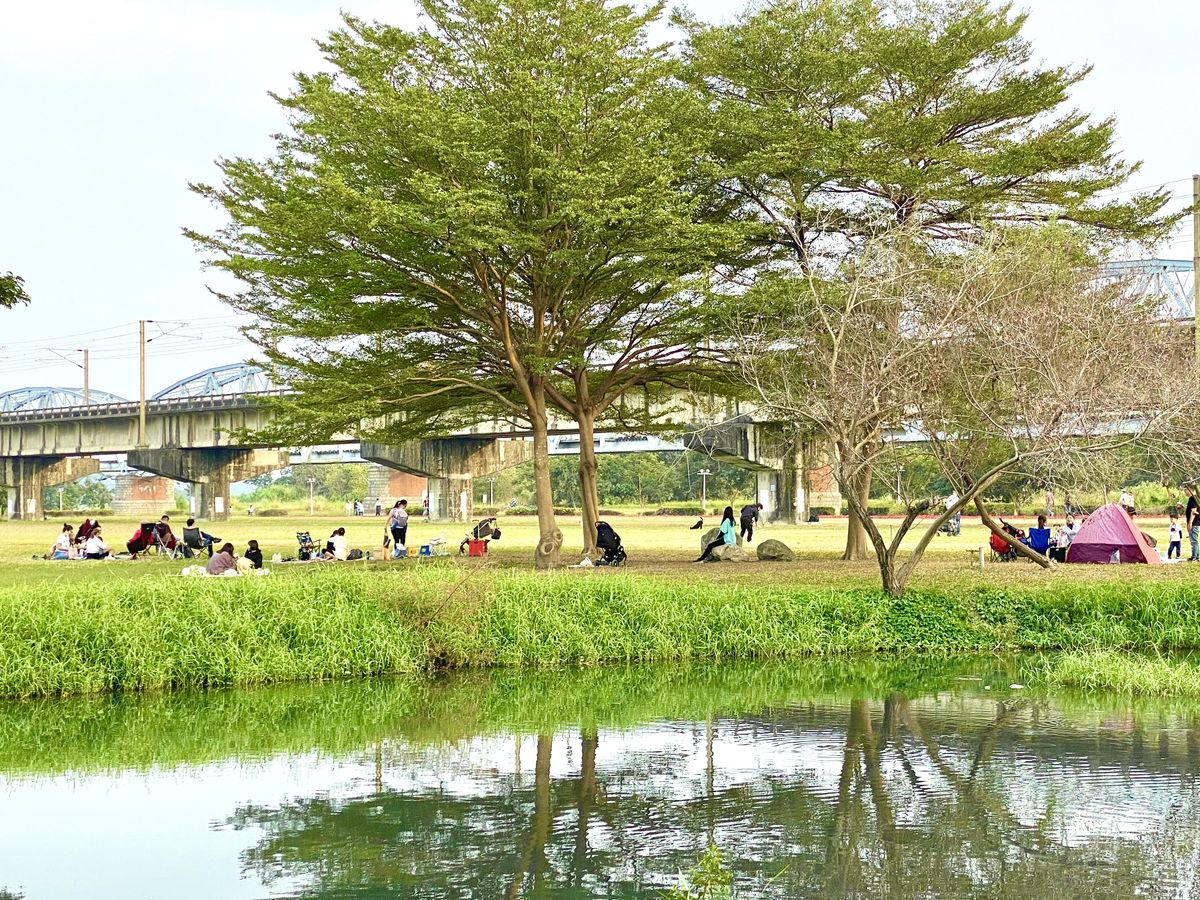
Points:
point(87, 379)
point(1196, 260)
point(60, 496)
point(899, 478)
point(311, 482)
point(141, 441)
point(704, 473)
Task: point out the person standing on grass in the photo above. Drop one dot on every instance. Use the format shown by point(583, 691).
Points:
point(398, 526)
point(728, 535)
point(1191, 521)
point(378, 506)
point(1175, 541)
point(749, 518)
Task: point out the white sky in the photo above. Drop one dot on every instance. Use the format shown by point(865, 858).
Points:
point(108, 109)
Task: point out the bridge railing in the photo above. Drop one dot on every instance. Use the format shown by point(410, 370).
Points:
point(130, 408)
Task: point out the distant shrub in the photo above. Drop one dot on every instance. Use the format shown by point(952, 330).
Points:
point(678, 511)
point(271, 513)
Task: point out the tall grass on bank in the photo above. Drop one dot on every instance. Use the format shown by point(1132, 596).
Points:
point(324, 622)
point(1123, 673)
point(177, 632)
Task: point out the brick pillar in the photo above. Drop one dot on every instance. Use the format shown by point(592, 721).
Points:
point(145, 496)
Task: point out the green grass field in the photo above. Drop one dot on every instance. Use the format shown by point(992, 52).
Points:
point(660, 545)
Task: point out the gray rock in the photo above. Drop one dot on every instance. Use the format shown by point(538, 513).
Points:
point(708, 537)
point(775, 551)
point(731, 553)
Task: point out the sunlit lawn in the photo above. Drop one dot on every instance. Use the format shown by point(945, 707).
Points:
point(659, 545)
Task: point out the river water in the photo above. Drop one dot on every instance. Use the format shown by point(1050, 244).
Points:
point(816, 779)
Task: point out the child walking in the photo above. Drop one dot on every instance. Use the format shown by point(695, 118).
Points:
point(1173, 548)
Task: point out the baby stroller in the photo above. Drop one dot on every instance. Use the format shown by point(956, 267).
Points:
point(1001, 551)
point(307, 548)
point(484, 531)
point(610, 542)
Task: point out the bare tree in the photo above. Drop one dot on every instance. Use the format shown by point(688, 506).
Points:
point(1013, 356)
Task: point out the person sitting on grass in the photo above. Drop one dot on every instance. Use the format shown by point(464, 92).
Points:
point(336, 547)
point(222, 561)
point(95, 548)
point(728, 535)
point(64, 544)
point(254, 554)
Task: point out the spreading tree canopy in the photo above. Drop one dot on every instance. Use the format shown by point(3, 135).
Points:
point(838, 119)
point(498, 214)
point(1013, 357)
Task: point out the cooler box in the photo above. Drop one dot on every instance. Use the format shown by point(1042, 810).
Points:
point(476, 548)
point(426, 550)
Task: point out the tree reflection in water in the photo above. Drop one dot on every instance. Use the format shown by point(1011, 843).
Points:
point(891, 793)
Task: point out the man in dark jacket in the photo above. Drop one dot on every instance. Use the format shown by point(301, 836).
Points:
point(749, 518)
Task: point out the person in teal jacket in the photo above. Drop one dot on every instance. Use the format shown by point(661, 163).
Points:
point(728, 535)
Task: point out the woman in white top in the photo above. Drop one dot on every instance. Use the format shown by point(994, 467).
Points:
point(337, 547)
point(64, 544)
point(95, 548)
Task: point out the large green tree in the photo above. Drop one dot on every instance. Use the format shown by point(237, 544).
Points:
point(837, 119)
point(498, 214)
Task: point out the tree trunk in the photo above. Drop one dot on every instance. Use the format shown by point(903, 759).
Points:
point(589, 493)
point(856, 534)
point(986, 517)
point(549, 549)
point(893, 580)
point(589, 741)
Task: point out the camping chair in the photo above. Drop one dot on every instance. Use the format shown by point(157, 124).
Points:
point(195, 540)
point(307, 548)
point(165, 543)
point(1001, 551)
point(142, 540)
point(1039, 540)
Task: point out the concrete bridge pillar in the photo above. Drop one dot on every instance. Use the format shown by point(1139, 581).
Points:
point(214, 470)
point(450, 465)
point(27, 477)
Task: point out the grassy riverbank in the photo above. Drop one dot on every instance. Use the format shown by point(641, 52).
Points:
point(323, 622)
point(1121, 673)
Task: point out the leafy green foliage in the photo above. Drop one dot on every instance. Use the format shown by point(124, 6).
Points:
point(841, 117)
point(332, 481)
point(87, 493)
point(12, 290)
point(641, 479)
point(709, 880)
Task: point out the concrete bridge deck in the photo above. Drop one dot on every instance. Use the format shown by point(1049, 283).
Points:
point(196, 439)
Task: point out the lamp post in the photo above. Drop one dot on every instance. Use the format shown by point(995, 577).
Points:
point(704, 473)
point(60, 496)
point(899, 476)
point(311, 482)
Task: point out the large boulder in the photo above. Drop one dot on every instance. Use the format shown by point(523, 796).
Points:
point(775, 551)
point(730, 553)
point(708, 537)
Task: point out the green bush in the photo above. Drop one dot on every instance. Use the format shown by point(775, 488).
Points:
point(271, 513)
